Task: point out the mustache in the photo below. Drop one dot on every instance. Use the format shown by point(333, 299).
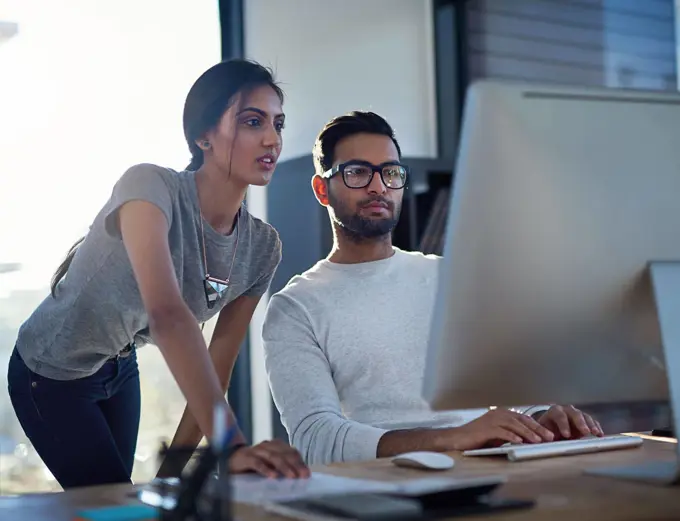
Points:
point(376, 199)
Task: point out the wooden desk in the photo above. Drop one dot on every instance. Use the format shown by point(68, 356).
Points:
point(558, 485)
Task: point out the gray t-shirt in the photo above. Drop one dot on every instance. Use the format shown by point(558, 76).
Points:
point(98, 309)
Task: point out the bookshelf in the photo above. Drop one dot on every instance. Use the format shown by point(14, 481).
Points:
point(425, 207)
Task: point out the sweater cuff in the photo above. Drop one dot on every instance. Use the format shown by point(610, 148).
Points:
point(361, 442)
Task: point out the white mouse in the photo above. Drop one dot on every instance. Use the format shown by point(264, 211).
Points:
point(424, 460)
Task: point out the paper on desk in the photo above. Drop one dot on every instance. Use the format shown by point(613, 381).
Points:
point(254, 489)
point(250, 488)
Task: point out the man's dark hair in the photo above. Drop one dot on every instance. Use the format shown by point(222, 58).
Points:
point(356, 122)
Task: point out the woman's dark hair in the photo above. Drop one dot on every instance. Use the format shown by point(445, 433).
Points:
point(63, 267)
point(208, 99)
point(214, 92)
point(356, 122)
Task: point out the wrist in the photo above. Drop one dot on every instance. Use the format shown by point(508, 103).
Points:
point(447, 439)
point(234, 448)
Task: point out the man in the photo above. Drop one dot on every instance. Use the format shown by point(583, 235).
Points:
point(345, 341)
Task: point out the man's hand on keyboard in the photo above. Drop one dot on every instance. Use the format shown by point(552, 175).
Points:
point(495, 428)
point(566, 422)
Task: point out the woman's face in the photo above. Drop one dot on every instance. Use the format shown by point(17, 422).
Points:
point(246, 143)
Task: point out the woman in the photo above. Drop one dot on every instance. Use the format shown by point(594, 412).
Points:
point(168, 251)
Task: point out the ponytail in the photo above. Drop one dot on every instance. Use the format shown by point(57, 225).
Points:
point(196, 157)
point(63, 267)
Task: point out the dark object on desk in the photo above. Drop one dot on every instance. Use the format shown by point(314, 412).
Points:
point(446, 503)
point(191, 500)
point(664, 433)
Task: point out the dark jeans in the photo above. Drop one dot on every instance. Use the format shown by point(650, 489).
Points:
point(84, 430)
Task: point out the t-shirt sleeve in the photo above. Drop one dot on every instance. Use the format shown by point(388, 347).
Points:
point(273, 253)
point(144, 182)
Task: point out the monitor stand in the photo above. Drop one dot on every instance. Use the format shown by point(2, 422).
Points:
point(665, 279)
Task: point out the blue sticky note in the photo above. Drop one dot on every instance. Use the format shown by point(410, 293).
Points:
point(120, 513)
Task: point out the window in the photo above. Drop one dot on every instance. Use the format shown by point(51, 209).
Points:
point(87, 89)
point(612, 43)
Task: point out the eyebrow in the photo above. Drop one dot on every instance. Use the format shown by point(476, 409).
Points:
point(260, 112)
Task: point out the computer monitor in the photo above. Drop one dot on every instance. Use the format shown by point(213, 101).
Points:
point(561, 270)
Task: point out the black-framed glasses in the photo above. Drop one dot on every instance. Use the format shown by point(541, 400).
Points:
point(359, 174)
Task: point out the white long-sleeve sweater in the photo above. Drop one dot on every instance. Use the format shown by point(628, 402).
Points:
point(345, 348)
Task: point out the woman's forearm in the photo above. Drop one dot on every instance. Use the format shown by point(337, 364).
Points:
point(189, 432)
point(189, 435)
point(180, 341)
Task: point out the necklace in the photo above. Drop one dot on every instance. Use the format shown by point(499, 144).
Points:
point(216, 288)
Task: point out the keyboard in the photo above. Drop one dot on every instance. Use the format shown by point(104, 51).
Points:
point(549, 449)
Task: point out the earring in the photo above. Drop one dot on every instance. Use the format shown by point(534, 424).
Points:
point(205, 143)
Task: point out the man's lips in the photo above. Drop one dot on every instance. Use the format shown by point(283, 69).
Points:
point(376, 205)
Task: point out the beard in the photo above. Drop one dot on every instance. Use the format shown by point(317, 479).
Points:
point(358, 228)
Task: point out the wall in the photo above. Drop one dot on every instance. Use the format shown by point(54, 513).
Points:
point(333, 57)
point(613, 43)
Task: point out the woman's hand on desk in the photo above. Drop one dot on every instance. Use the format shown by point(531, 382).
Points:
point(567, 422)
point(271, 459)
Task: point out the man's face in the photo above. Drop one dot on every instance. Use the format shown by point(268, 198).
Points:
point(372, 211)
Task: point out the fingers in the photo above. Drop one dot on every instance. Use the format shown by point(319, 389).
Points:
point(558, 417)
point(503, 434)
point(246, 459)
point(277, 461)
point(522, 426)
point(577, 420)
point(270, 459)
point(593, 425)
point(538, 430)
point(282, 458)
point(262, 467)
point(571, 422)
point(518, 427)
point(294, 458)
point(301, 469)
point(563, 421)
